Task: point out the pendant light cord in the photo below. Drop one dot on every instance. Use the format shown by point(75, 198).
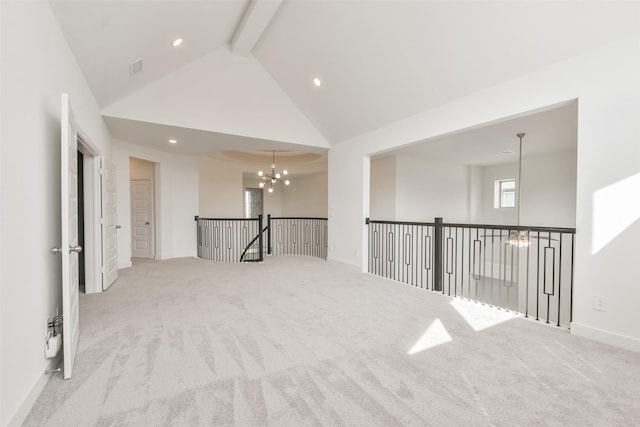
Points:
point(520, 135)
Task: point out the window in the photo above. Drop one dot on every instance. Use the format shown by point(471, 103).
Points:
point(252, 202)
point(505, 193)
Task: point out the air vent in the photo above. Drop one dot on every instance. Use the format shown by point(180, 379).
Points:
point(135, 67)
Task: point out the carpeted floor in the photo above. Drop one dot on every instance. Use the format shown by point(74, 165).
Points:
point(302, 342)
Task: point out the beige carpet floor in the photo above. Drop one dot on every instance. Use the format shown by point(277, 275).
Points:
point(301, 342)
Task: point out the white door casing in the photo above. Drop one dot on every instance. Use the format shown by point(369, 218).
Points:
point(141, 218)
point(109, 225)
point(69, 232)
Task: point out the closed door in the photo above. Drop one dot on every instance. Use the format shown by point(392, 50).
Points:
point(141, 218)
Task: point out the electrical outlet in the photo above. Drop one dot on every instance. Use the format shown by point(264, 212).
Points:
point(598, 303)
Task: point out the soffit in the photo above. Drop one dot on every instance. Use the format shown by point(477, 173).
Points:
point(551, 131)
point(252, 153)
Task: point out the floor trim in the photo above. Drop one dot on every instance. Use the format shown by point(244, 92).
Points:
point(606, 337)
point(26, 405)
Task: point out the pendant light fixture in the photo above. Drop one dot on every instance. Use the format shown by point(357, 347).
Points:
point(519, 238)
point(274, 177)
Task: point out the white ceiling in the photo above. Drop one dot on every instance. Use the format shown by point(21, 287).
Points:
point(380, 61)
point(546, 132)
point(106, 36)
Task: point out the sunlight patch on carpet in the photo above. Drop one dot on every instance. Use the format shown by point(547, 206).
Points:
point(479, 316)
point(435, 335)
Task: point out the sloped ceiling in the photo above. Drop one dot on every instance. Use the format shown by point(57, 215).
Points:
point(106, 36)
point(379, 61)
point(223, 93)
point(382, 61)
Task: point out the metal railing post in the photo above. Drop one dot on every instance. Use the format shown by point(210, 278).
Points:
point(269, 234)
point(366, 221)
point(260, 242)
point(437, 255)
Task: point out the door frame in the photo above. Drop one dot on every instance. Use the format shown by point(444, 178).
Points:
point(92, 214)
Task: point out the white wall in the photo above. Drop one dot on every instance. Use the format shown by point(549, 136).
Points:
point(488, 213)
point(475, 194)
point(383, 188)
point(414, 189)
point(221, 92)
point(176, 201)
point(140, 169)
point(221, 188)
point(37, 66)
point(306, 196)
point(548, 191)
point(426, 190)
point(606, 84)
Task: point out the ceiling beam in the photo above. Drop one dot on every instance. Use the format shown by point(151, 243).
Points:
point(253, 23)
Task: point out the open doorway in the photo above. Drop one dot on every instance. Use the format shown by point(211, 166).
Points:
point(142, 189)
point(89, 218)
point(81, 257)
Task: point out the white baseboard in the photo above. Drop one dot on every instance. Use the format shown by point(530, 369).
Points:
point(607, 337)
point(25, 407)
point(348, 264)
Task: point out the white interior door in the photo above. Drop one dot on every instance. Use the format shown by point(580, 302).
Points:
point(141, 218)
point(69, 248)
point(109, 225)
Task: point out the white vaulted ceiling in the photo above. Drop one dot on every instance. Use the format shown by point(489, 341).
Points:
point(379, 61)
point(382, 61)
point(106, 36)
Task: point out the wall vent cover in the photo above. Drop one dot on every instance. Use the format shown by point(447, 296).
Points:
point(135, 67)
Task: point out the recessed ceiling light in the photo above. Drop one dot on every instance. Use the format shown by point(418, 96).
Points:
point(508, 152)
point(177, 42)
point(173, 141)
point(317, 82)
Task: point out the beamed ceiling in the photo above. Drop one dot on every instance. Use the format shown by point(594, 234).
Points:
point(242, 79)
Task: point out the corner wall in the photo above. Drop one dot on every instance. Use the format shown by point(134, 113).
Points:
point(176, 202)
point(37, 66)
point(306, 196)
point(605, 83)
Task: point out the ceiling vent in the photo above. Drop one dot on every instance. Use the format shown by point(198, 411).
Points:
point(135, 67)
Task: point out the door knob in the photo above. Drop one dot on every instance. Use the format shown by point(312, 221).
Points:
point(147, 223)
point(76, 249)
point(118, 227)
point(56, 251)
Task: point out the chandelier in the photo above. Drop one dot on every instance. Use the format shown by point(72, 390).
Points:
point(274, 176)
